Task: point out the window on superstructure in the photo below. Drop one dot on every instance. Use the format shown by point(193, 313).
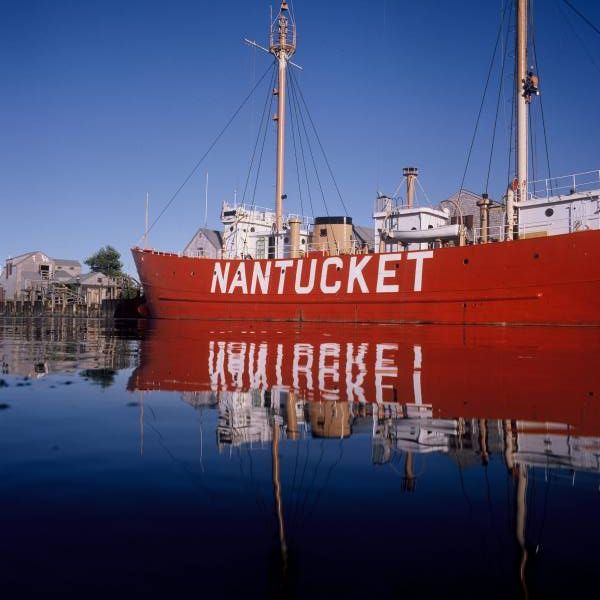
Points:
point(260, 248)
point(323, 232)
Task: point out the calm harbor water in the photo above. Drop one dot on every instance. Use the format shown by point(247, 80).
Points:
point(154, 458)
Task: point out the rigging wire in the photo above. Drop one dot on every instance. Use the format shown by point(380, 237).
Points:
point(258, 135)
point(297, 122)
point(579, 38)
point(262, 132)
point(294, 90)
point(535, 60)
point(211, 146)
point(498, 102)
point(532, 148)
point(511, 131)
point(321, 146)
point(295, 154)
point(582, 16)
point(259, 164)
point(487, 82)
point(424, 192)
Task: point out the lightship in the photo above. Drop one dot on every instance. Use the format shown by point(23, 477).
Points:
point(541, 267)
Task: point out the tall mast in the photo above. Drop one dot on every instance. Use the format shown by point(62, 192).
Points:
point(282, 44)
point(521, 99)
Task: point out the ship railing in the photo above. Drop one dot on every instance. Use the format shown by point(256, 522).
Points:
point(564, 185)
point(260, 213)
point(498, 233)
point(329, 249)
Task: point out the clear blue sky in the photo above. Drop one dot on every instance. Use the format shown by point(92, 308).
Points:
point(104, 100)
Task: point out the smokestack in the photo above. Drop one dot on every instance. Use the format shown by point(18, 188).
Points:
point(411, 174)
point(294, 224)
point(484, 221)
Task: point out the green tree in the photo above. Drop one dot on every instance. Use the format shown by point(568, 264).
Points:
point(107, 260)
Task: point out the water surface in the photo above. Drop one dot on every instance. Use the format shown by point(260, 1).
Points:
point(154, 458)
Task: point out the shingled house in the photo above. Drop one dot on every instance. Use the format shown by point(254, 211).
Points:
point(27, 272)
point(471, 214)
point(206, 243)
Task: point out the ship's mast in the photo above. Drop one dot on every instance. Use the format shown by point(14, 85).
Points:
point(521, 99)
point(282, 44)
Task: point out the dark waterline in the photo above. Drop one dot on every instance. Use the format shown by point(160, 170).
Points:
point(146, 459)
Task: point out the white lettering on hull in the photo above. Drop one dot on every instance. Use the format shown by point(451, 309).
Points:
point(355, 274)
point(305, 289)
point(419, 257)
point(384, 273)
point(239, 280)
point(336, 274)
point(330, 262)
point(220, 276)
point(282, 265)
point(260, 278)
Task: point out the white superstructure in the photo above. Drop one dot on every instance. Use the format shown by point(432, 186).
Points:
point(249, 232)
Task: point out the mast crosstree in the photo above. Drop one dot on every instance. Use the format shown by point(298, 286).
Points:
point(282, 45)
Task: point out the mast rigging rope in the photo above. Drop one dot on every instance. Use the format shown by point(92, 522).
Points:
point(487, 82)
point(210, 147)
point(321, 146)
point(582, 16)
point(487, 180)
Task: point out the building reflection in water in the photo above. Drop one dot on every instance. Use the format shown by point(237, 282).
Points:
point(97, 349)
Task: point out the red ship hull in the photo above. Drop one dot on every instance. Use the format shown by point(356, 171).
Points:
point(549, 280)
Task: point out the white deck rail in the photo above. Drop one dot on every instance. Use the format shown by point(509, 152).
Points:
point(565, 185)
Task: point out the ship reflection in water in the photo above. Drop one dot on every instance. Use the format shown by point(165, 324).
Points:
point(524, 397)
point(527, 393)
point(303, 461)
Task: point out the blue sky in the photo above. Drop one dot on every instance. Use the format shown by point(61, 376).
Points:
point(105, 101)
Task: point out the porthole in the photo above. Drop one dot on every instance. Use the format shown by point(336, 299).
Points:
point(252, 229)
point(536, 255)
point(231, 228)
point(465, 261)
point(549, 212)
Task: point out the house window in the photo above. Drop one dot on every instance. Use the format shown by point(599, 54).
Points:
point(200, 251)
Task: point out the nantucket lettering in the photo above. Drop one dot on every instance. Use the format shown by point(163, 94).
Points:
point(311, 275)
